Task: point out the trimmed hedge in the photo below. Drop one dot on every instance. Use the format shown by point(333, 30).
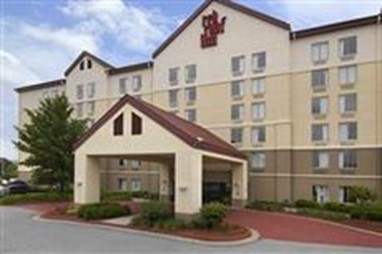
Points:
point(322, 214)
point(212, 214)
point(35, 197)
point(102, 211)
point(338, 207)
point(302, 203)
point(152, 212)
point(266, 206)
point(116, 196)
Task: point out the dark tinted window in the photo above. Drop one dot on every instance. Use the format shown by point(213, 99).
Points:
point(136, 125)
point(118, 125)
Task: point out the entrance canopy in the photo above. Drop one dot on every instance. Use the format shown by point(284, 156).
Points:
point(133, 127)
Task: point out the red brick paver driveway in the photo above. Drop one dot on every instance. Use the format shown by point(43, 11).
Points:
point(295, 228)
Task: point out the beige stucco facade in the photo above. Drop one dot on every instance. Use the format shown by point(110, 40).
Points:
point(287, 170)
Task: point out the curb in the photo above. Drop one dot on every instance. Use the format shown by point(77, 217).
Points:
point(253, 238)
point(361, 230)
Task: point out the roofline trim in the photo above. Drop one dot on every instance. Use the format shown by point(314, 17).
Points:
point(82, 55)
point(47, 84)
point(128, 68)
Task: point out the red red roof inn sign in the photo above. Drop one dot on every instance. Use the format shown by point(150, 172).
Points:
point(212, 27)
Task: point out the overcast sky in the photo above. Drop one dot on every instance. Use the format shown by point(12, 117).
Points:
point(40, 38)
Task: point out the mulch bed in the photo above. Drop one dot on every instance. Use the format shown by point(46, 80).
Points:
point(375, 226)
point(228, 233)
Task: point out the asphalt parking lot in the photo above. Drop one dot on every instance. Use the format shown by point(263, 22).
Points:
point(20, 233)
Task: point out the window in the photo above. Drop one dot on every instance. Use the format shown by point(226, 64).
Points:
point(319, 106)
point(348, 46)
point(237, 65)
point(348, 103)
point(137, 83)
point(90, 90)
point(80, 92)
point(89, 64)
point(90, 107)
point(79, 109)
point(258, 110)
point(190, 73)
point(136, 125)
point(190, 94)
point(320, 78)
point(347, 74)
point(320, 132)
point(320, 52)
point(258, 86)
point(136, 185)
point(258, 160)
point(173, 76)
point(123, 162)
point(344, 194)
point(82, 65)
point(237, 88)
point(237, 112)
point(135, 164)
point(118, 126)
point(258, 135)
point(236, 135)
point(259, 61)
point(348, 131)
point(122, 85)
point(320, 193)
point(347, 159)
point(190, 115)
point(173, 97)
point(122, 184)
point(320, 159)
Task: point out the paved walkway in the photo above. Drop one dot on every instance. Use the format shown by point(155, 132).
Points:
point(295, 228)
point(19, 233)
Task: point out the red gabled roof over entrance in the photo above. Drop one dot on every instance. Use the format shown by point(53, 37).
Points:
point(192, 134)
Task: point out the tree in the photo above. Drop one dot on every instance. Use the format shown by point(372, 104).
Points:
point(361, 195)
point(8, 169)
point(47, 140)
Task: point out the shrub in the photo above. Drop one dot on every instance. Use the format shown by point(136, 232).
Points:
point(302, 203)
point(337, 207)
point(116, 196)
point(171, 224)
point(361, 194)
point(102, 211)
point(35, 197)
point(212, 214)
point(154, 211)
point(266, 206)
point(145, 195)
point(374, 215)
point(322, 214)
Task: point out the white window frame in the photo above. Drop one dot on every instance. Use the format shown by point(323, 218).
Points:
point(343, 157)
point(344, 131)
point(136, 184)
point(91, 90)
point(320, 52)
point(122, 184)
point(258, 110)
point(324, 82)
point(80, 93)
point(188, 69)
point(90, 108)
point(323, 159)
point(347, 75)
point(256, 59)
point(239, 84)
point(190, 115)
point(80, 109)
point(256, 136)
point(258, 86)
point(342, 48)
point(189, 98)
point(173, 94)
point(323, 105)
point(240, 116)
point(136, 83)
point(122, 86)
point(324, 132)
point(344, 100)
point(241, 65)
point(240, 131)
point(258, 160)
point(173, 76)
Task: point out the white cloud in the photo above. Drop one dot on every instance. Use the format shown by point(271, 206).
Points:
point(303, 14)
point(133, 27)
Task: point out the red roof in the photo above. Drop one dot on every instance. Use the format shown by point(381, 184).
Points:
point(192, 134)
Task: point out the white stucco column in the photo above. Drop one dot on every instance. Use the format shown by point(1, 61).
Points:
point(239, 184)
point(86, 179)
point(164, 182)
point(188, 183)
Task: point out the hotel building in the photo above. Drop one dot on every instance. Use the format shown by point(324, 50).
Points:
point(305, 107)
